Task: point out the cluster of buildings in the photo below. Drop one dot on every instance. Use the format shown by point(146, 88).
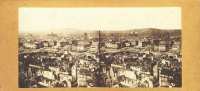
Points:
point(85, 60)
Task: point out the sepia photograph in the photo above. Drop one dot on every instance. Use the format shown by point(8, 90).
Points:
point(100, 47)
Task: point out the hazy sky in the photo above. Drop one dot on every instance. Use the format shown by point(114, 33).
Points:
point(46, 19)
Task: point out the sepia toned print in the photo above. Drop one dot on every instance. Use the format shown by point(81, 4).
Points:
point(133, 51)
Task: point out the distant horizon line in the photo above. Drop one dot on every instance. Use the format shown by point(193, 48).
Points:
point(93, 30)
